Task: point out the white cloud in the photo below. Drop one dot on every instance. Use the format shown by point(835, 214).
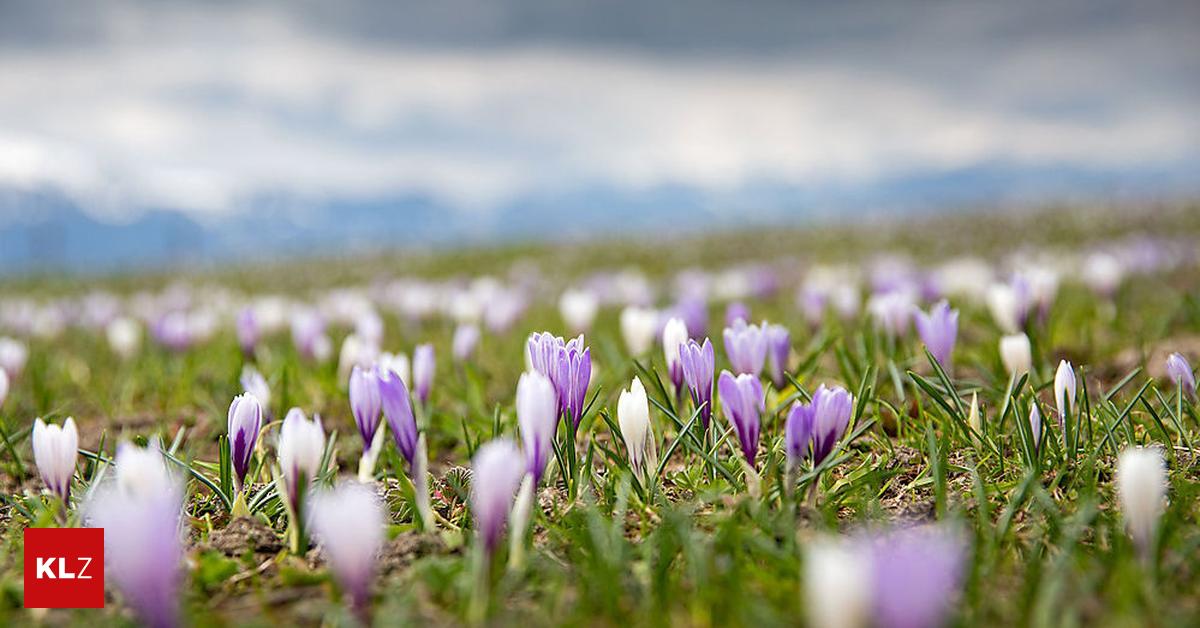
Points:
point(202, 118)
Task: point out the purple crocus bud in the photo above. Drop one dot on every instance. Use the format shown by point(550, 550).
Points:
point(301, 449)
point(1064, 392)
point(798, 432)
point(423, 369)
point(55, 450)
point(743, 401)
point(736, 311)
point(245, 420)
point(537, 414)
point(674, 335)
point(397, 408)
point(831, 411)
point(779, 347)
point(568, 365)
point(143, 546)
point(496, 472)
point(939, 331)
point(1180, 372)
point(746, 347)
point(247, 330)
point(1035, 424)
point(348, 522)
point(916, 576)
point(466, 340)
point(365, 403)
point(699, 366)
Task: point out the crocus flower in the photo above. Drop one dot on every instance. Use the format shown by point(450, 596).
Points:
point(892, 311)
point(1178, 371)
point(736, 311)
point(301, 448)
point(1009, 303)
point(837, 584)
point(55, 450)
point(423, 369)
point(1035, 424)
point(396, 363)
point(143, 548)
point(245, 420)
point(308, 334)
point(1103, 273)
point(537, 414)
point(13, 355)
point(124, 337)
point(939, 331)
point(1064, 391)
point(465, 342)
point(698, 364)
point(779, 347)
point(578, 309)
point(247, 330)
point(397, 408)
point(831, 411)
point(356, 351)
point(1016, 354)
point(348, 523)
point(568, 365)
point(3, 386)
point(916, 575)
point(633, 417)
point(638, 327)
point(1141, 489)
point(743, 401)
point(797, 432)
point(674, 336)
point(496, 472)
point(694, 313)
point(746, 347)
point(365, 403)
point(254, 383)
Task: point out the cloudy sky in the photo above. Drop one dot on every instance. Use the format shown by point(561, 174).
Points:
point(210, 108)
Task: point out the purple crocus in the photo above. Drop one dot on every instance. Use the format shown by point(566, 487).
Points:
point(1180, 372)
point(916, 574)
point(698, 364)
point(348, 522)
point(397, 409)
point(798, 431)
point(245, 421)
point(736, 311)
point(831, 412)
point(568, 365)
point(746, 347)
point(743, 401)
point(694, 312)
point(537, 414)
point(779, 347)
point(366, 403)
point(143, 547)
point(423, 368)
point(496, 472)
point(938, 330)
point(465, 342)
point(247, 330)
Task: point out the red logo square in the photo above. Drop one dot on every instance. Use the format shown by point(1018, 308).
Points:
point(64, 568)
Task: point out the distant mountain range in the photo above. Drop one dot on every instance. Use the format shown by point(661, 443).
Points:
point(44, 231)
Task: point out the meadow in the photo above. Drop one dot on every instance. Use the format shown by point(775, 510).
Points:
point(940, 420)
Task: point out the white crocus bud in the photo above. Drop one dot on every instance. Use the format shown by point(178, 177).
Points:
point(142, 471)
point(396, 363)
point(674, 336)
point(124, 337)
point(578, 309)
point(1064, 390)
point(633, 416)
point(301, 448)
point(3, 386)
point(837, 584)
point(55, 450)
point(1141, 489)
point(1016, 353)
point(638, 326)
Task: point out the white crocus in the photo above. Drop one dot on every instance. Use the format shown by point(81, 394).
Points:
point(142, 471)
point(578, 309)
point(1005, 306)
point(633, 416)
point(674, 337)
point(1064, 389)
point(396, 363)
point(837, 584)
point(3, 386)
point(301, 448)
point(638, 326)
point(1016, 353)
point(1141, 489)
point(55, 450)
point(348, 522)
point(124, 337)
